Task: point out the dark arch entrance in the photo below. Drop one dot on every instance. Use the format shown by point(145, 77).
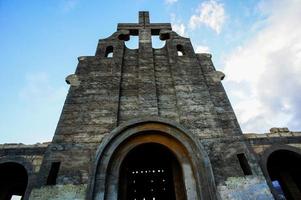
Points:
point(177, 143)
point(284, 168)
point(151, 172)
point(13, 180)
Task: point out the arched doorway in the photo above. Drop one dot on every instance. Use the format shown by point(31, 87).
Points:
point(13, 180)
point(171, 141)
point(284, 169)
point(151, 172)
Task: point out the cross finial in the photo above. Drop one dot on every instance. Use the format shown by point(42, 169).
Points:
point(144, 23)
point(144, 17)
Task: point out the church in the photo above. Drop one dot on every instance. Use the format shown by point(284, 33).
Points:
point(151, 124)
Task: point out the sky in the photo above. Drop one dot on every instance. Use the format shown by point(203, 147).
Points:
point(256, 43)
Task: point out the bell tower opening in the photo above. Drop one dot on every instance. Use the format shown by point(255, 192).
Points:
point(284, 170)
point(151, 172)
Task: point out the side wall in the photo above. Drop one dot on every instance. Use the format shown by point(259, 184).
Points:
point(29, 156)
point(264, 145)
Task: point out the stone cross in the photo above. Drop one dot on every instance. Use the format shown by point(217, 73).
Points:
point(144, 28)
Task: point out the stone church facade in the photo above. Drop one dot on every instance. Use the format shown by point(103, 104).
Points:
point(151, 124)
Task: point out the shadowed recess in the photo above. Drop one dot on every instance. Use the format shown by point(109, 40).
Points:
point(150, 171)
point(13, 180)
point(284, 170)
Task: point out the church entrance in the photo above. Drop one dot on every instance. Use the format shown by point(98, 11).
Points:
point(13, 181)
point(151, 160)
point(284, 170)
point(150, 172)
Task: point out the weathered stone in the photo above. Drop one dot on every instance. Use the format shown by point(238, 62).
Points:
point(242, 188)
point(73, 80)
point(217, 76)
point(59, 192)
point(276, 130)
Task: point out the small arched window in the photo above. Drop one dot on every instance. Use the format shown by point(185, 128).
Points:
point(109, 52)
point(180, 50)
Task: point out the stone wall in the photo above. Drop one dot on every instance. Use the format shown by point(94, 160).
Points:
point(106, 92)
point(33, 154)
point(29, 156)
point(241, 188)
point(276, 137)
point(59, 192)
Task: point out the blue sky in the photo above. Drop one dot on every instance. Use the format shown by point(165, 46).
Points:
point(256, 43)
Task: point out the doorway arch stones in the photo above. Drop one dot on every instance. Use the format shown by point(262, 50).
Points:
point(196, 168)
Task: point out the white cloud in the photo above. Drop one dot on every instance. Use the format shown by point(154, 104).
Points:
point(177, 25)
point(201, 49)
point(170, 2)
point(265, 72)
point(210, 13)
point(179, 28)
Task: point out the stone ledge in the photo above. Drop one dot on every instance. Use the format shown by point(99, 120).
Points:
point(21, 145)
point(273, 134)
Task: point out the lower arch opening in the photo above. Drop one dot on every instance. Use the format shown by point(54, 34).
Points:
point(150, 171)
point(284, 170)
point(13, 181)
